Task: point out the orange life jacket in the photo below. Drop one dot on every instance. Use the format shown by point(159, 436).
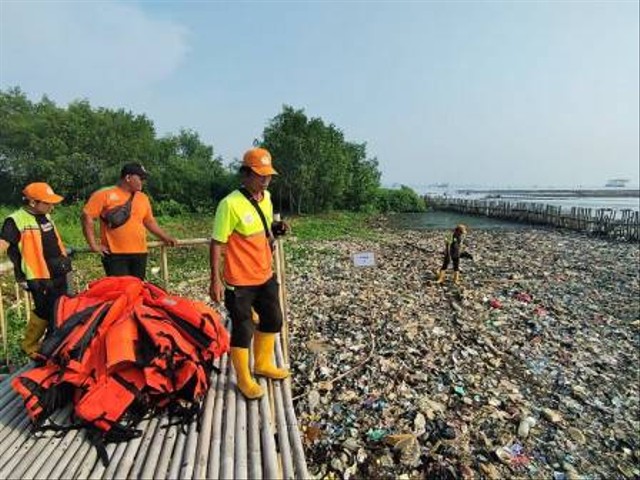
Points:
point(124, 342)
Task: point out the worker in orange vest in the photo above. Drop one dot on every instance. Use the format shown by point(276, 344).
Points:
point(39, 257)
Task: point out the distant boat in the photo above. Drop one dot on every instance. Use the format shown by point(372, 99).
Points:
point(617, 183)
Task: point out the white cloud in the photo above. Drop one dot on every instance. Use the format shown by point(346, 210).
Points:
point(98, 50)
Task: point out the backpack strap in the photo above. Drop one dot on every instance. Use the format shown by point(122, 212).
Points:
point(267, 230)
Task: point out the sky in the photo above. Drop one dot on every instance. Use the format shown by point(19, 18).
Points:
point(478, 93)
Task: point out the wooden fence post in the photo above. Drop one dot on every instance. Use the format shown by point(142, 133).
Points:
point(164, 266)
point(5, 330)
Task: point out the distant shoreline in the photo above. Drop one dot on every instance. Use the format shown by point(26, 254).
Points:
point(550, 193)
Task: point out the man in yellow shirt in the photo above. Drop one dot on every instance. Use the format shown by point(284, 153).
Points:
point(244, 229)
point(123, 248)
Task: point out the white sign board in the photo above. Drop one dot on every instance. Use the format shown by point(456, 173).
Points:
point(364, 259)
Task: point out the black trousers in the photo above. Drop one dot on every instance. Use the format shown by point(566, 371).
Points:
point(125, 264)
point(447, 259)
point(264, 300)
point(45, 293)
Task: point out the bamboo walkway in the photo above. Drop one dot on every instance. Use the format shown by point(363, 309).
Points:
point(233, 438)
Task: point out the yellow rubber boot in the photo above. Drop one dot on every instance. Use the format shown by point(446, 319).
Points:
point(441, 276)
point(246, 384)
point(456, 278)
point(263, 354)
point(32, 335)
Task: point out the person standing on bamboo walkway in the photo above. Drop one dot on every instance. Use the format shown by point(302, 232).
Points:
point(39, 257)
point(244, 231)
point(123, 245)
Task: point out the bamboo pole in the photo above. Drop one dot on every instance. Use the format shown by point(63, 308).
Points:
point(4, 332)
point(224, 382)
point(279, 260)
point(284, 332)
point(60, 457)
point(36, 450)
point(27, 307)
point(227, 448)
point(133, 447)
point(164, 266)
point(206, 424)
point(295, 440)
point(16, 289)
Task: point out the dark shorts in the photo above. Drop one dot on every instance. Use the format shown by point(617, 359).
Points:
point(125, 264)
point(264, 300)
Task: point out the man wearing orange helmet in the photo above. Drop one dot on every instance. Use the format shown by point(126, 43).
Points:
point(453, 251)
point(244, 230)
point(39, 257)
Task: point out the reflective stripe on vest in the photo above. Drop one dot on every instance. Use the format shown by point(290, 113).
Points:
point(33, 264)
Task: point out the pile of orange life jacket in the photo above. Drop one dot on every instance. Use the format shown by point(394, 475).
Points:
point(120, 350)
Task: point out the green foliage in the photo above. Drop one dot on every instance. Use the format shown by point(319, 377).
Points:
point(169, 208)
point(402, 200)
point(318, 169)
point(16, 324)
point(332, 226)
point(79, 149)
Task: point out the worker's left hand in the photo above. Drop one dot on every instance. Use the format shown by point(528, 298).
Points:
point(279, 228)
point(466, 255)
point(170, 241)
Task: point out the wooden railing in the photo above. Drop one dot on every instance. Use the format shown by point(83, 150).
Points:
point(619, 224)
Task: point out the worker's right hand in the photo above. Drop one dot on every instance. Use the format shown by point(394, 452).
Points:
point(216, 290)
point(24, 286)
point(101, 249)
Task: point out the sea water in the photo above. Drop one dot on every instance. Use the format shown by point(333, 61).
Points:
point(442, 219)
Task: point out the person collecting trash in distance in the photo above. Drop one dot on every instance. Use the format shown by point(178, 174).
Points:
point(244, 229)
point(453, 252)
point(125, 214)
point(39, 257)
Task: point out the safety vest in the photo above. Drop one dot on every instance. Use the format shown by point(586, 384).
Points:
point(122, 348)
point(34, 264)
point(449, 241)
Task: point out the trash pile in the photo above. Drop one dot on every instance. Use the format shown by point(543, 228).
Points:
point(122, 349)
point(528, 369)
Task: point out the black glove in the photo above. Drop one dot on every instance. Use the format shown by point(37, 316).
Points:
point(279, 228)
point(466, 255)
